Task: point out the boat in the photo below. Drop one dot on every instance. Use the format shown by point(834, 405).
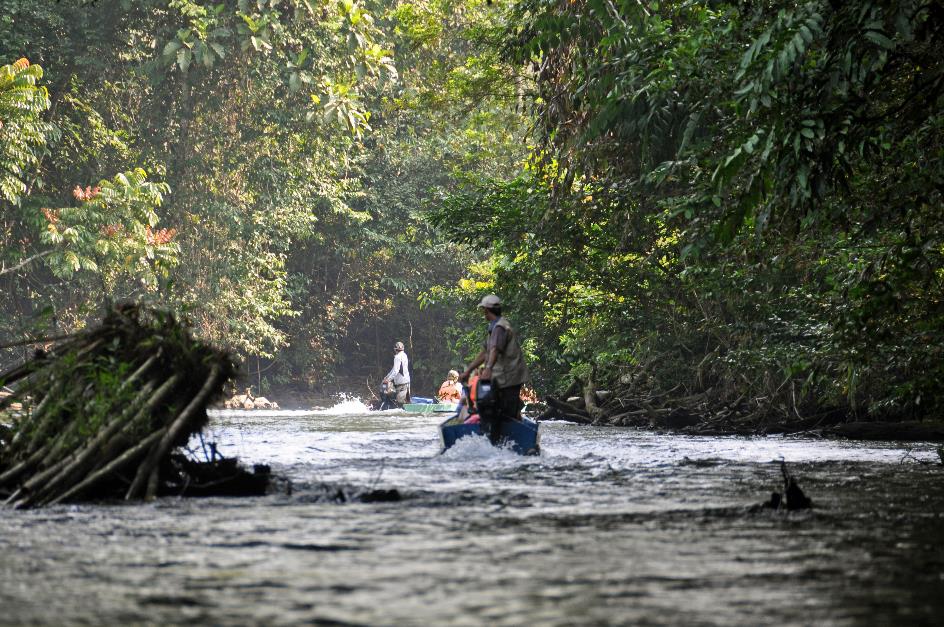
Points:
point(424, 405)
point(429, 408)
point(524, 434)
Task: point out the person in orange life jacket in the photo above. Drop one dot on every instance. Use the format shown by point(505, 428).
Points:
point(474, 385)
point(399, 376)
point(469, 393)
point(505, 370)
point(451, 390)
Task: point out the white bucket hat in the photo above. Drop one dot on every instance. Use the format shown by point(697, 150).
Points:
point(490, 301)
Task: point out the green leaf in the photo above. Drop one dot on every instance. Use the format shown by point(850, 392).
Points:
point(879, 39)
point(734, 155)
point(806, 33)
point(183, 59)
point(73, 260)
point(746, 89)
point(171, 47)
point(251, 23)
point(748, 146)
point(259, 43)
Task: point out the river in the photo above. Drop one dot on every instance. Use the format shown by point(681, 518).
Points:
point(606, 526)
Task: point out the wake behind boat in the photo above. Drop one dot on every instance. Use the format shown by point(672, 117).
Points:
point(524, 434)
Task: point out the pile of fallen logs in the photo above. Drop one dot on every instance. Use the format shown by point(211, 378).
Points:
point(636, 401)
point(102, 413)
point(624, 409)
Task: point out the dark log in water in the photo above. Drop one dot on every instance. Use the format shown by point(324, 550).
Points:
point(560, 410)
point(904, 431)
point(792, 498)
point(792, 494)
point(113, 403)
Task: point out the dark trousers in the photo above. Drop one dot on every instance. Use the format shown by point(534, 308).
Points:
point(507, 407)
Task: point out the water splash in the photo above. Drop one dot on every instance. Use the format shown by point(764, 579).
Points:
point(477, 447)
point(346, 405)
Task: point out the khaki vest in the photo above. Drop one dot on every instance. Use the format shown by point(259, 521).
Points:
point(509, 368)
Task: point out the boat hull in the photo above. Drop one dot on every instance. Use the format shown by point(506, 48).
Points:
point(429, 408)
point(524, 434)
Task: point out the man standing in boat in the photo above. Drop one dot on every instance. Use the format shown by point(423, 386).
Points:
point(399, 376)
point(505, 370)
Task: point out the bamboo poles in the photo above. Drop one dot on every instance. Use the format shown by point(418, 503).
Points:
point(170, 435)
point(110, 403)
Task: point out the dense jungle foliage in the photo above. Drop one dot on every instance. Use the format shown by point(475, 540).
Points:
point(739, 199)
point(735, 199)
point(258, 165)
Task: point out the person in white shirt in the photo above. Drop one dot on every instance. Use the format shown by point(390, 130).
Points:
point(399, 376)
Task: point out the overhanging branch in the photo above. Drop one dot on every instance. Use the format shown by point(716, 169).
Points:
point(5, 270)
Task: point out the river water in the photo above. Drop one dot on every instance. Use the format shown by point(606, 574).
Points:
point(607, 526)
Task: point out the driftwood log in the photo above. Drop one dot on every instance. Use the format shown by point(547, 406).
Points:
point(561, 410)
point(103, 412)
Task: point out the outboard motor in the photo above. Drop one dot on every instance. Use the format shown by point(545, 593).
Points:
point(486, 401)
point(387, 400)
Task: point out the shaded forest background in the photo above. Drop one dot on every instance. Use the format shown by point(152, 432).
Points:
point(739, 200)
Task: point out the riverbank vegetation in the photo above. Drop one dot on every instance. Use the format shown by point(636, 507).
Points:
point(721, 212)
point(733, 210)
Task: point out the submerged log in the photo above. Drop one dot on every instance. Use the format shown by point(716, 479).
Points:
point(677, 418)
point(792, 494)
point(559, 410)
point(912, 431)
point(791, 499)
point(113, 403)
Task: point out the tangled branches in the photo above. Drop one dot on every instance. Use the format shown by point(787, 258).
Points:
point(100, 415)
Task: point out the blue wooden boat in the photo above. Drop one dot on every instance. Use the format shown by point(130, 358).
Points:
point(524, 434)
